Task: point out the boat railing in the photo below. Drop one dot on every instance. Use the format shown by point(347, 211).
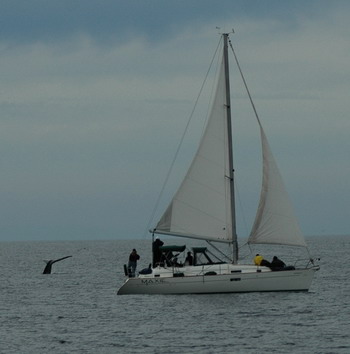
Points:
point(205, 269)
point(305, 263)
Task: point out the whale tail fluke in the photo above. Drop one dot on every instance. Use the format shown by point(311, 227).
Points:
point(49, 264)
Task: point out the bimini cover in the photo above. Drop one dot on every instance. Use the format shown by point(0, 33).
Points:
point(173, 248)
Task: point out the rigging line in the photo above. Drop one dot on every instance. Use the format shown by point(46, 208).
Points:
point(218, 250)
point(250, 250)
point(254, 109)
point(181, 141)
point(245, 83)
point(212, 90)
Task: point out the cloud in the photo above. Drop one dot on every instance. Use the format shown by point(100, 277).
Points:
point(92, 108)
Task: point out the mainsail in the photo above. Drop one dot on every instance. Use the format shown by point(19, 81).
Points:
point(201, 208)
point(275, 221)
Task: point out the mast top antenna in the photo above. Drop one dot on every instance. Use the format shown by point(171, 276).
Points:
point(224, 32)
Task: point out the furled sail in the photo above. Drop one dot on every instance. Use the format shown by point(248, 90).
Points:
point(275, 222)
point(201, 208)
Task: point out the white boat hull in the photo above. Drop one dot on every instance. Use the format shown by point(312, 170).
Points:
point(290, 280)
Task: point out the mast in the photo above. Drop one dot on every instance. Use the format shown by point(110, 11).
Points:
point(230, 153)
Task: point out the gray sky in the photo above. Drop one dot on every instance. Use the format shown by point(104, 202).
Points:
point(95, 95)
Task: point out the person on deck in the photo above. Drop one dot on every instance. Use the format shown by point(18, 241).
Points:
point(157, 254)
point(133, 258)
point(260, 261)
point(168, 258)
point(189, 259)
point(277, 264)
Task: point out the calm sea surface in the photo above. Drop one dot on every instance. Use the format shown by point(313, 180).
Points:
point(75, 309)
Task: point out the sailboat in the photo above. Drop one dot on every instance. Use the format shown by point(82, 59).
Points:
point(203, 208)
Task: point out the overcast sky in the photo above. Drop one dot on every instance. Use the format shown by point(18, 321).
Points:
point(95, 95)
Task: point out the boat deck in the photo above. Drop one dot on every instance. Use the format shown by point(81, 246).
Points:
point(205, 269)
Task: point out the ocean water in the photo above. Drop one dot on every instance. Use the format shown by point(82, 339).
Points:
point(76, 310)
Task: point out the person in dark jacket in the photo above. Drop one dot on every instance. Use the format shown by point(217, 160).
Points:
point(277, 264)
point(189, 259)
point(133, 258)
point(157, 254)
